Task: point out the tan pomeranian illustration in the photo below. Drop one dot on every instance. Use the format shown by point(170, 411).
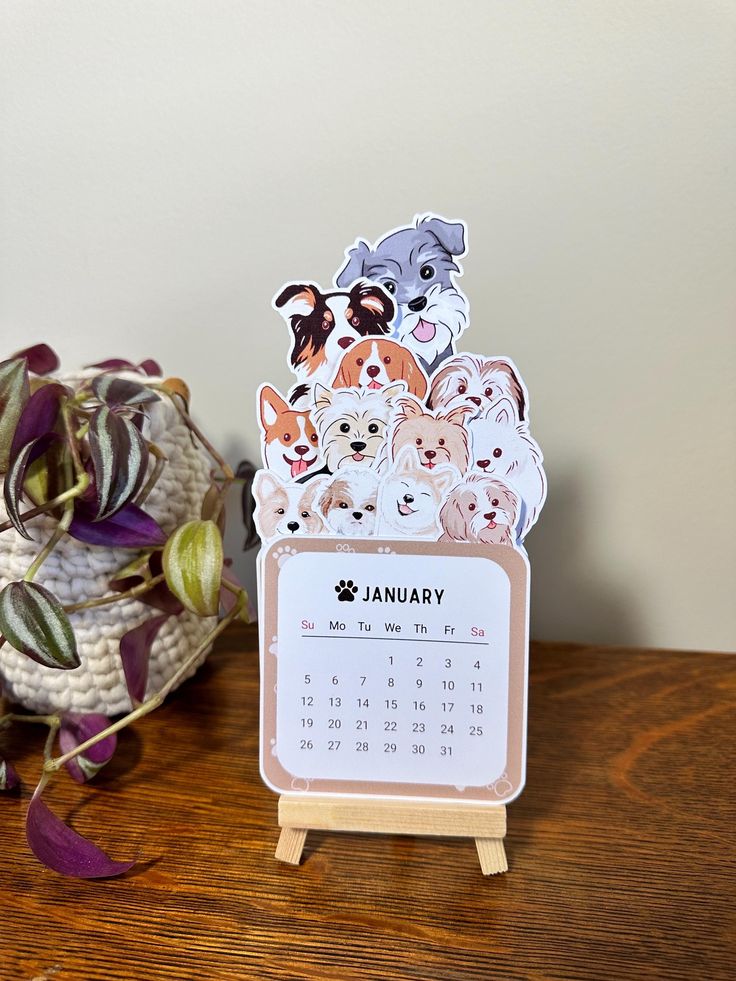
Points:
point(480, 509)
point(438, 437)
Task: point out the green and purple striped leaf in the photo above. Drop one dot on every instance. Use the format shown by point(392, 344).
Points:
point(193, 559)
point(16, 475)
point(130, 527)
point(34, 622)
point(119, 459)
point(14, 393)
point(60, 848)
point(135, 651)
point(122, 391)
point(40, 358)
point(77, 728)
point(9, 779)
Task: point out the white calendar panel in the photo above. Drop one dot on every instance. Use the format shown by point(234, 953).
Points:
point(391, 670)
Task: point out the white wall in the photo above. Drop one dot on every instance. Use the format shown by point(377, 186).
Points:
point(165, 165)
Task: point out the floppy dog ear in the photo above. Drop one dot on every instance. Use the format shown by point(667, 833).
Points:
point(354, 266)
point(413, 375)
point(450, 234)
point(343, 378)
point(375, 300)
point(296, 300)
point(516, 389)
point(271, 405)
point(452, 521)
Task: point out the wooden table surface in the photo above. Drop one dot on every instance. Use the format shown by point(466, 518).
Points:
point(620, 849)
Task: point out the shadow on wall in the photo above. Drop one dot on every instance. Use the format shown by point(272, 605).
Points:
point(571, 598)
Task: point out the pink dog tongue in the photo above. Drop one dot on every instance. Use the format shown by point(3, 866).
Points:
point(424, 331)
point(405, 509)
point(373, 384)
point(298, 467)
point(358, 457)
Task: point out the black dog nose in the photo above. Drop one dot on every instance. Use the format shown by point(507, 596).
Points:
point(373, 370)
point(344, 342)
point(301, 450)
point(357, 446)
point(474, 398)
point(357, 515)
point(490, 516)
point(293, 526)
point(430, 454)
point(483, 464)
point(417, 304)
point(408, 499)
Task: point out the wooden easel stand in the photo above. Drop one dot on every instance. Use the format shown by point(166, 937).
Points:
point(299, 814)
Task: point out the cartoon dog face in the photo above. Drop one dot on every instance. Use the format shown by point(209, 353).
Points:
point(290, 445)
point(502, 446)
point(416, 264)
point(285, 508)
point(348, 501)
point(375, 363)
point(480, 509)
point(324, 325)
point(411, 495)
point(440, 438)
point(478, 382)
point(351, 424)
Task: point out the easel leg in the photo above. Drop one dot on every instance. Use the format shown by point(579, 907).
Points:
point(291, 845)
point(492, 855)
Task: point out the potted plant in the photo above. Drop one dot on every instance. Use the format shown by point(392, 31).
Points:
point(113, 582)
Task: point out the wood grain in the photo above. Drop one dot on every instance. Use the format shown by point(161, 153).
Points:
point(621, 848)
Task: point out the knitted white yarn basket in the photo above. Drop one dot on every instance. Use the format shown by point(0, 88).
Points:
point(75, 572)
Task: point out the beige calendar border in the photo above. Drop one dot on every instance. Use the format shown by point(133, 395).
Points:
point(516, 567)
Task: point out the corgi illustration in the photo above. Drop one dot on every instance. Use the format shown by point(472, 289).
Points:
point(410, 496)
point(290, 445)
point(286, 508)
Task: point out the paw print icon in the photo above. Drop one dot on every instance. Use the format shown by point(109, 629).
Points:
point(346, 590)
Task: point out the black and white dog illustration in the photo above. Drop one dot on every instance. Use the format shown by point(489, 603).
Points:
point(324, 325)
point(417, 265)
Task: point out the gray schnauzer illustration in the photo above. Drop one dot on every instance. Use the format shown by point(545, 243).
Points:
point(416, 265)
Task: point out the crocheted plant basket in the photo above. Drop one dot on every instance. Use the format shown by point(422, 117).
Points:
point(76, 571)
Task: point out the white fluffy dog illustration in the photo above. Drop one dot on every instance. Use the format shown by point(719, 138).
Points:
point(351, 424)
point(477, 382)
point(480, 509)
point(348, 501)
point(503, 447)
point(286, 507)
point(410, 496)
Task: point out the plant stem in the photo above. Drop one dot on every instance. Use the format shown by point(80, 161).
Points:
point(47, 720)
point(72, 440)
point(153, 702)
point(59, 532)
point(161, 461)
point(131, 593)
point(54, 726)
point(79, 488)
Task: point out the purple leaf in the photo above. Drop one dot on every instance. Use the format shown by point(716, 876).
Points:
point(39, 416)
point(112, 364)
point(16, 475)
point(9, 779)
point(60, 848)
point(130, 527)
point(119, 457)
point(41, 358)
point(151, 367)
point(121, 391)
point(34, 622)
point(135, 650)
point(76, 729)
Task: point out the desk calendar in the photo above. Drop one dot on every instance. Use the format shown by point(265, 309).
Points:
point(394, 668)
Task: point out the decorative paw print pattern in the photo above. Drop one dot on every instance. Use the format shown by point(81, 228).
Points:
point(283, 553)
point(346, 590)
point(385, 550)
point(502, 787)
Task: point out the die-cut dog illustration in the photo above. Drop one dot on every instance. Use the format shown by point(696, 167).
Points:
point(287, 508)
point(410, 496)
point(290, 444)
point(375, 362)
point(351, 424)
point(477, 382)
point(480, 509)
point(438, 437)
